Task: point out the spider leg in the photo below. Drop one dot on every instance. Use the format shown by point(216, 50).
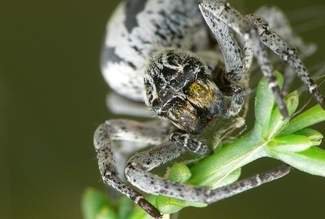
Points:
point(216, 11)
point(273, 41)
point(229, 48)
point(267, 70)
point(190, 143)
point(279, 22)
point(221, 17)
point(235, 79)
point(137, 173)
point(114, 130)
point(223, 11)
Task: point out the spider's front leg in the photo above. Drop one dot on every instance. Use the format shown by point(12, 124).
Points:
point(281, 48)
point(216, 12)
point(233, 82)
point(246, 28)
point(219, 14)
point(137, 173)
point(188, 141)
point(124, 130)
point(279, 23)
point(267, 70)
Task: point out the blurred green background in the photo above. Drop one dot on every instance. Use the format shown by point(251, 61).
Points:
point(52, 98)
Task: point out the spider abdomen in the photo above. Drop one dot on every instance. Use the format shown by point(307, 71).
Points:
point(137, 29)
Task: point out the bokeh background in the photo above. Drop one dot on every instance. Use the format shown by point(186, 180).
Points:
point(52, 98)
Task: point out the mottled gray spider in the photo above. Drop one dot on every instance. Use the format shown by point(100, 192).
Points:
point(160, 52)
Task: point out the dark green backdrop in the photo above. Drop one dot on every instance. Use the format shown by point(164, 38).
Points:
point(52, 98)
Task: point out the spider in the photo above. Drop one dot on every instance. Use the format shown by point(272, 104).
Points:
point(160, 52)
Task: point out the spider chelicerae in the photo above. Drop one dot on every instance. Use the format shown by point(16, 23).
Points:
point(161, 52)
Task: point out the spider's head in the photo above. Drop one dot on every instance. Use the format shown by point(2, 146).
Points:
point(178, 88)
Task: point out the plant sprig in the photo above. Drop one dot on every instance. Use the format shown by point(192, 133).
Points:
point(290, 140)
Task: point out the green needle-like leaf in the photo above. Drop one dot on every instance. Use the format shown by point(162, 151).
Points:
point(106, 213)
point(315, 136)
point(264, 103)
point(179, 172)
point(308, 118)
point(125, 208)
point(277, 122)
point(93, 203)
point(311, 161)
point(292, 143)
point(232, 177)
point(217, 167)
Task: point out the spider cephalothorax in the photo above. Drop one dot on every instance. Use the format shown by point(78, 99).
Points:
point(161, 51)
point(178, 87)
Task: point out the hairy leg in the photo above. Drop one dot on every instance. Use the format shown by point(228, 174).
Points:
point(229, 47)
point(280, 24)
point(273, 41)
point(234, 81)
point(188, 141)
point(267, 70)
point(221, 11)
point(223, 20)
point(137, 173)
point(114, 130)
